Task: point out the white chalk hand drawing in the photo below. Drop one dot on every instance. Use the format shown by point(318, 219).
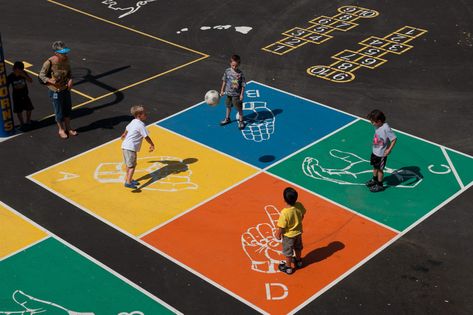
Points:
point(261, 245)
point(260, 122)
point(356, 171)
point(155, 173)
point(32, 306)
point(113, 5)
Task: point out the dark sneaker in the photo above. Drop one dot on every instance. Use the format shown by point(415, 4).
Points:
point(135, 182)
point(370, 183)
point(241, 125)
point(283, 268)
point(296, 262)
point(376, 188)
point(131, 185)
point(225, 121)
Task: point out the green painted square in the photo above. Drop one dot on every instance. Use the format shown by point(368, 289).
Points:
point(338, 166)
point(463, 166)
point(51, 272)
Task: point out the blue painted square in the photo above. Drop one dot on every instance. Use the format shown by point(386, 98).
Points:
point(277, 124)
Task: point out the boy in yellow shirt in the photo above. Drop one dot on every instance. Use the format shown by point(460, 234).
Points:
point(290, 228)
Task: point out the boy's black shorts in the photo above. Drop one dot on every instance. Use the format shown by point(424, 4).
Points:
point(22, 103)
point(378, 162)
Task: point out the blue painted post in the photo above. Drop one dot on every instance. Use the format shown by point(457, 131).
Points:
point(6, 118)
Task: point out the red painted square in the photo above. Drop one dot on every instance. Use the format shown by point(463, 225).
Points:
point(229, 240)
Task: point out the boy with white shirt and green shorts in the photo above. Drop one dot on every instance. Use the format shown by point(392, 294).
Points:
point(132, 138)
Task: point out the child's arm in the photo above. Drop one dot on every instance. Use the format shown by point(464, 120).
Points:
point(242, 91)
point(151, 144)
point(222, 89)
point(390, 148)
point(279, 232)
point(124, 134)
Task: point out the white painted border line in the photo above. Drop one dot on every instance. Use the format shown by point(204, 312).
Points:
point(335, 203)
point(86, 256)
point(303, 98)
point(209, 147)
point(452, 167)
point(311, 144)
point(110, 141)
point(242, 181)
point(25, 247)
point(387, 244)
point(149, 246)
point(215, 196)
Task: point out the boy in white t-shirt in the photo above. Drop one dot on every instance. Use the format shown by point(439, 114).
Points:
point(132, 138)
point(383, 143)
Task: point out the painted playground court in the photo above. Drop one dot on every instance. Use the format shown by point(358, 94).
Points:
point(185, 201)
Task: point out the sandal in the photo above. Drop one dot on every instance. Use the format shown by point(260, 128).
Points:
point(72, 132)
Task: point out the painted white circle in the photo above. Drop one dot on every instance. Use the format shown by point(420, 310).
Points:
point(445, 171)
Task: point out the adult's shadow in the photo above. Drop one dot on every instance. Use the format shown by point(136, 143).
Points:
point(408, 176)
point(171, 167)
point(322, 253)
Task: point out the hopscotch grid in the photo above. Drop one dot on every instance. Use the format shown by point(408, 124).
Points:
point(88, 257)
point(379, 250)
point(452, 167)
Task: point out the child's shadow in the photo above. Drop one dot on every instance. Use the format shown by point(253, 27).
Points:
point(171, 167)
point(407, 176)
point(322, 253)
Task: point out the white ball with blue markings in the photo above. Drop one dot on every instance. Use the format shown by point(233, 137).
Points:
point(212, 98)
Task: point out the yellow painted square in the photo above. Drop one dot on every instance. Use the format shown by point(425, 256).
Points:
point(178, 175)
point(16, 233)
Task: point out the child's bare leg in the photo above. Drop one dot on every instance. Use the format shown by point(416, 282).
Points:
point(28, 116)
point(298, 253)
point(380, 176)
point(289, 262)
point(228, 111)
point(240, 114)
point(20, 118)
point(129, 174)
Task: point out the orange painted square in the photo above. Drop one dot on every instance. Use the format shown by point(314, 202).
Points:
point(209, 240)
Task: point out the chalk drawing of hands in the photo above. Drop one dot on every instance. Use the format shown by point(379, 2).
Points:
point(356, 171)
point(260, 123)
point(158, 173)
point(32, 306)
point(261, 245)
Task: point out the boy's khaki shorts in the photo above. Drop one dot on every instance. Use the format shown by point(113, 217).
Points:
point(130, 158)
point(233, 100)
point(289, 244)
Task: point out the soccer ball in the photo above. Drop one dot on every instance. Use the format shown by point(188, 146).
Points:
point(212, 97)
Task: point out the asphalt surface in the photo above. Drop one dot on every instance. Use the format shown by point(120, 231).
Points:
point(427, 92)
